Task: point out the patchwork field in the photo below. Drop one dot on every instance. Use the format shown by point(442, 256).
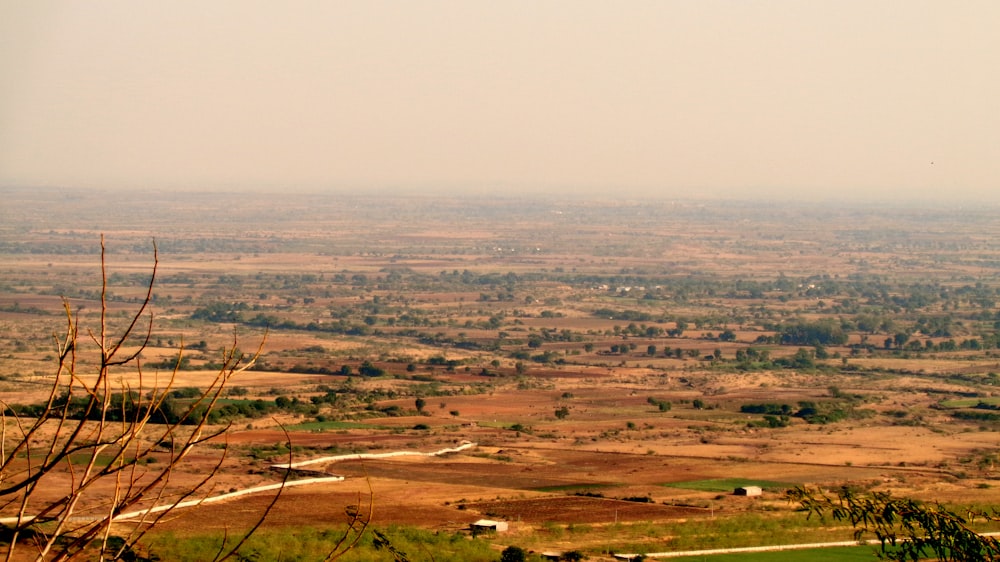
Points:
point(618, 364)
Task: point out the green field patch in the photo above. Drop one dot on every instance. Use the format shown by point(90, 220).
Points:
point(79, 459)
point(84, 459)
point(577, 488)
point(729, 484)
point(830, 554)
point(969, 402)
point(334, 424)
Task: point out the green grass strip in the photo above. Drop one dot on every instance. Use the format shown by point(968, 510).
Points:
point(831, 554)
point(729, 484)
point(969, 402)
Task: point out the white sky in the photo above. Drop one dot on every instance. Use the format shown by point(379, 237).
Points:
point(806, 98)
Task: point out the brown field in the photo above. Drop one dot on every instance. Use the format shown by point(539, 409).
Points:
point(488, 312)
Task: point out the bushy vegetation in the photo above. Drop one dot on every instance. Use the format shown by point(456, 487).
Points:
point(808, 410)
point(175, 408)
point(908, 530)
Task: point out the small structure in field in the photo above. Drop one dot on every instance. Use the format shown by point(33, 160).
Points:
point(748, 491)
point(488, 525)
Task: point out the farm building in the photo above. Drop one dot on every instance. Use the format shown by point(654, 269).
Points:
point(489, 525)
point(748, 491)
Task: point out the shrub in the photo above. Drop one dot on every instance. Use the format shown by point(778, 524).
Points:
point(513, 554)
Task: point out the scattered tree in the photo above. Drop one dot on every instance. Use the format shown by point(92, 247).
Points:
point(513, 554)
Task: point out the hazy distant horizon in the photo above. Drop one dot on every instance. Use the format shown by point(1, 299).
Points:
point(805, 101)
point(777, 201)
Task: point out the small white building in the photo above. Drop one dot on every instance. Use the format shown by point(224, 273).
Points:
point(748, 491)
point(489, 525)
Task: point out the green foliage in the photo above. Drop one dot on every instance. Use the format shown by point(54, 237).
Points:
point(178, 407)
point(821, 332)
point(775, 415)
point(822, 413)
point(630, 315)
point(367, 369)
point(221, 312)
point(802, 359)
point(775, 421)
point(976, 416)
point(767, 408)
point(513, 554)
point(638, 499)
point(752, 358)
point(662, 405)
point(381, 542)
point(907, 529)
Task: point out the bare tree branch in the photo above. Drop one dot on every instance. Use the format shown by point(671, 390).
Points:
point(94, 433)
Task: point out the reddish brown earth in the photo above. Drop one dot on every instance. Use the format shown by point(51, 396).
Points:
point(576, 509)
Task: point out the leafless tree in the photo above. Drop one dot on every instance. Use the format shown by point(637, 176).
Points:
point(93, 439)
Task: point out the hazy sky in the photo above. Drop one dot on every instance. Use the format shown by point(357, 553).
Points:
point(888, 99)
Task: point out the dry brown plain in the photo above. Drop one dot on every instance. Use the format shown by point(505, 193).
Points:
point(489, 312)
